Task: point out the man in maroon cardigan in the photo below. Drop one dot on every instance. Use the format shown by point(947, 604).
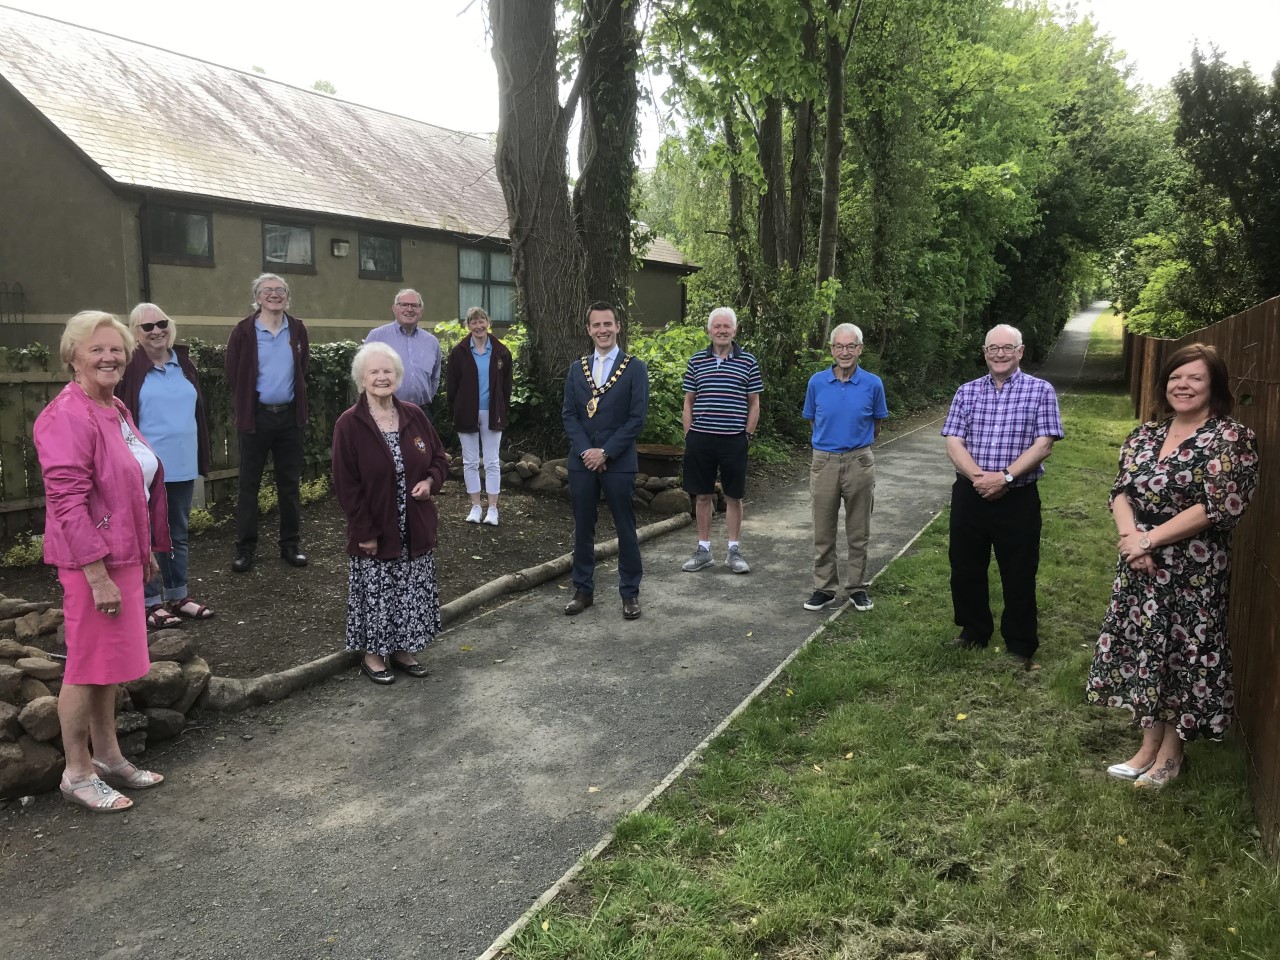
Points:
point(267, 356)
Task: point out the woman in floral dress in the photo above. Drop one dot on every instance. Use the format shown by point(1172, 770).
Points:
point(1183, 485)
point(387, 465)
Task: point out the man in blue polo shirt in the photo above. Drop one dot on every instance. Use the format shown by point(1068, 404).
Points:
point(846, 406)
point(722, 387)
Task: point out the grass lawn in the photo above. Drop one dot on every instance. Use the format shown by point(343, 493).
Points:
point(892, 798)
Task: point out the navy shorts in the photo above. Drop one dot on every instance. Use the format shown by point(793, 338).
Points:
point(705, 453)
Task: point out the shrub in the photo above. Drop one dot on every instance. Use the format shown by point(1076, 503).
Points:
point(200, 521)
point(666, 353)
point(27, 551)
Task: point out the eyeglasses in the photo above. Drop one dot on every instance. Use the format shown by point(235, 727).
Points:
point(268, 291)
point(845, 347)
point(410, 306)
point(148, 327)
point(995, 349)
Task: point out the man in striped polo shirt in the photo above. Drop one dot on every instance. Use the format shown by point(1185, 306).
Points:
point(722, 387)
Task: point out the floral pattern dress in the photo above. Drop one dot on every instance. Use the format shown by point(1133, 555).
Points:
point(393, 604)
point(1162, 653)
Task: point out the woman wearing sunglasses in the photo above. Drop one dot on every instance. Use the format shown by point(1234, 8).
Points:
point(161, 388)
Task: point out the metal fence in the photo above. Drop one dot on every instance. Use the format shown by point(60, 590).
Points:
point(1249, 342)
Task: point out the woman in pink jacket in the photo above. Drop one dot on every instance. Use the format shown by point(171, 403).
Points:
point(104, 498)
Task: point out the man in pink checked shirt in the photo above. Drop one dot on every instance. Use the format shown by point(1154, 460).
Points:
point(1000, 429)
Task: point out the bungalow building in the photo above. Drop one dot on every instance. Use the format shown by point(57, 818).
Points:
point(130, 173)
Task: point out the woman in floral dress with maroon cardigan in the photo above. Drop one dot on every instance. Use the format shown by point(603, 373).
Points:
point(1183, 485)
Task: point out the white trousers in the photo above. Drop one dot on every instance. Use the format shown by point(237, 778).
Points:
point(472, 444)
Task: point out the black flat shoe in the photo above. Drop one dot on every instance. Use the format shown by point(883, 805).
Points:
point(412, 669)
point(242, 563)
point(383, 676)
point(291, 556)
point(630, 608)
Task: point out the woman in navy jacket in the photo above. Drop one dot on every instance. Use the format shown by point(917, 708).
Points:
point(388, 463)
point(478, 381)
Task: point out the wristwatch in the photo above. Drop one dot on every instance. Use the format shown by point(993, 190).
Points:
point(1144, 542)
point(1008, 477)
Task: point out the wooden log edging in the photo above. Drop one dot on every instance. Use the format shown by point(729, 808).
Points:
point(230, 695)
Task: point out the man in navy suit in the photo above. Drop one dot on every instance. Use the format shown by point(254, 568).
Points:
point(606, 399)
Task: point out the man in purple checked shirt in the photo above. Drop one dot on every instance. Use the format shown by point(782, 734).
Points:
point(999, 430)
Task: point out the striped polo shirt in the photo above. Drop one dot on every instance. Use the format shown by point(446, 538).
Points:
point(720, 389)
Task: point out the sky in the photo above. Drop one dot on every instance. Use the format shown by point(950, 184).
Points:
point(430, 60)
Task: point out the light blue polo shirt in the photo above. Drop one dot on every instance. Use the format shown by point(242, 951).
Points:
point(844, 412)
point(167, 419)
point(481, 358)
point(275, 364)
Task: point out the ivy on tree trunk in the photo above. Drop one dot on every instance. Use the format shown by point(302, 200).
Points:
point(566, 248)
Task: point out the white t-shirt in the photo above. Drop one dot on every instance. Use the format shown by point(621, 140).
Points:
point(142, 453)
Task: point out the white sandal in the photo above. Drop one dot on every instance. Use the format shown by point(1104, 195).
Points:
point(104, 798)
point(128, 775)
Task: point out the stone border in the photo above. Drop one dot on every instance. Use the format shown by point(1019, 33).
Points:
point(228, 695)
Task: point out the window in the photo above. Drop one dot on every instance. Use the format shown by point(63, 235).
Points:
point(484, 280)
point(182, 237)
point(379, 257)
point(287, 248)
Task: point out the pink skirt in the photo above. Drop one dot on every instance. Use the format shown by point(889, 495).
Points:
point(103, 649)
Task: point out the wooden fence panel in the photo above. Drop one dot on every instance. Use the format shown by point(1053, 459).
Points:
point(27, 383)
point(1250, 344)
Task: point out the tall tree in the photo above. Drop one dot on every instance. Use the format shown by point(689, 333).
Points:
point(567, 247)
point(1229, 126)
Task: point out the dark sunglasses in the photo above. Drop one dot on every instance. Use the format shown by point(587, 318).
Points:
point(148, 327)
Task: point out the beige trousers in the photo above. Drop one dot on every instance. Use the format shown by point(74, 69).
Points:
point(835, 479)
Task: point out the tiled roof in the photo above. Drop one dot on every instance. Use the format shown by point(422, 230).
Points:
point(153, 119)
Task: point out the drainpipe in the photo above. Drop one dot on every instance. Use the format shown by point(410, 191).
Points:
point(144, 239)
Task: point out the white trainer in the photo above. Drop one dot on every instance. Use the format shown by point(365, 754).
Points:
point(474, 515)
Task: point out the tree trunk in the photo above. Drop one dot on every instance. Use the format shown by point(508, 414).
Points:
point(802, 119)
point(772, 223)
point(737, 234)
point(532, 153)
point(837, 50)
point(606, 149)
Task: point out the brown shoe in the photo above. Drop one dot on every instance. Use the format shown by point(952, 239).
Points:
point(630, 608)
point(581, 600)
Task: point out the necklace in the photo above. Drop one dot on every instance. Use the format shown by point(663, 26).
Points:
point(1178, 434)
point(386, 419)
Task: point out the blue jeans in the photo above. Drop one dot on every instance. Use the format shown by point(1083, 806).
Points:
point(173, 566)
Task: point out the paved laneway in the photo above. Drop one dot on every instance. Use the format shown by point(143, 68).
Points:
point(419, 820)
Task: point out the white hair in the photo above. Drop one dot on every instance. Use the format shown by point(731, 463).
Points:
point(143, 310)
point(1012, 331)
point(723, 312)
point(263, 278)
point(362, 357)
point(846, 328)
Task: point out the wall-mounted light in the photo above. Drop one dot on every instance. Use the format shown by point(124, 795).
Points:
point(339, 248)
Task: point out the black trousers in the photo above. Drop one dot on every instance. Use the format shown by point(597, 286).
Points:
point(1012, 526)
point(277, 434)
point(585, 488)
